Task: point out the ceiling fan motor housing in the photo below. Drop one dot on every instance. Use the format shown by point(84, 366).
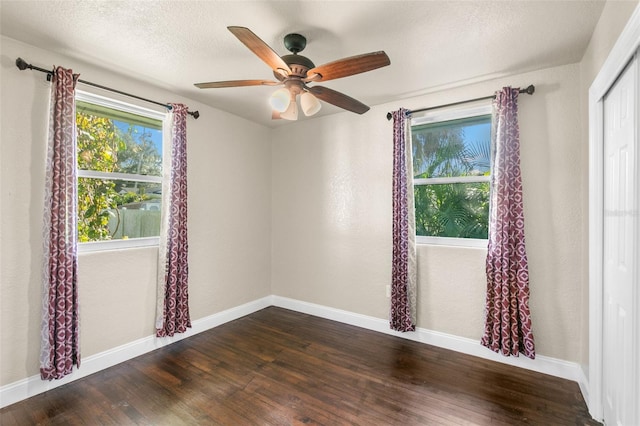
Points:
point(299, 64)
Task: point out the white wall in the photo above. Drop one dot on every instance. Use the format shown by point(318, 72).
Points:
point(229, 221)
point(332, 216)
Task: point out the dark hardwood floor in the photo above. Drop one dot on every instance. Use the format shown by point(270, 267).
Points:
point(278, 367)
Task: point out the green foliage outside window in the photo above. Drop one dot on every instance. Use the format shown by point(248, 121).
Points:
point(452, 210)
point(451, 150)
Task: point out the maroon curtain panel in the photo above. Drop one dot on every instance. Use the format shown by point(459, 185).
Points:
point(402, 317)
point(60, 348)
point(175, 313)
point(507, 328)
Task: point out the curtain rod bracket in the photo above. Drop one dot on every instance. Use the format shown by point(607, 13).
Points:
point(23, 65)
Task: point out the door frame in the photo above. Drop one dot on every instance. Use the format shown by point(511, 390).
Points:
point(623, 51)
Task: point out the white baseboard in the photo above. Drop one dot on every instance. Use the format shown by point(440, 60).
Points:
point(542, 364)
point(583, 382)
point(34, 385)
point(26, 388)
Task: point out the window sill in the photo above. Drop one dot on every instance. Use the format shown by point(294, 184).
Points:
point(118, 244)
point(451, 242)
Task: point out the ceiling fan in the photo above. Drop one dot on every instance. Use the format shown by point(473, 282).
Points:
point(295, 71)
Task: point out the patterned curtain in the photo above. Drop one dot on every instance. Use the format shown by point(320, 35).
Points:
point(507, 326)
point(60, 348)
point(403, 269)
point(173, 268)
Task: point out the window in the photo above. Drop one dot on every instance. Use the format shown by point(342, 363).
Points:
point(452, 170)
point(119, 173)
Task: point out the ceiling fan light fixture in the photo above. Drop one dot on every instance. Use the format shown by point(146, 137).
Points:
point(280, 100)
point(309, 104)
point(294, 71)
point(292, 111)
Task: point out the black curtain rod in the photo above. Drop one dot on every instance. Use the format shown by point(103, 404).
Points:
point(529, 91)
point(23, 65)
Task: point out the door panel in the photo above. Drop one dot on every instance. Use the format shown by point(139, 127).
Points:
point(620, 220)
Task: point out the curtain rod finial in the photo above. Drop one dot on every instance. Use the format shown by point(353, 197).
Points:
point(195, 114)
point(389, 116)
point(530, 89)
point(22, 64)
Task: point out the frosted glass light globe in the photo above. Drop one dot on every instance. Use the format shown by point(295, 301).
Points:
point(280, 100)
point(309, 104)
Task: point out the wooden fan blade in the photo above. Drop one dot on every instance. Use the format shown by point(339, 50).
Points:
point(236, 83)
point(350, 66)
point(339, 99)
point(260, 48)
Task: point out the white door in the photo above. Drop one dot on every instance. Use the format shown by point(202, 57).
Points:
point(620, 334)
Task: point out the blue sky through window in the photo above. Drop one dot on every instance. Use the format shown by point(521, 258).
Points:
point(155, 134)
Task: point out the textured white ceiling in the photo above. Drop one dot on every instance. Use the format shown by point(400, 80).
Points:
point(431, 44)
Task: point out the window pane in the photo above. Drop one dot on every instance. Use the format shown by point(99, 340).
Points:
point(452, 148)
point(115, 141)
point(459, 210)
point(115, 209)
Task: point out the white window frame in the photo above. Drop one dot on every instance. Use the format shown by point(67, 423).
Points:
point(437, 116)
point(93, 246)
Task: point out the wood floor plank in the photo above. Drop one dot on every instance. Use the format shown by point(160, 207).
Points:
point(279, 367)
